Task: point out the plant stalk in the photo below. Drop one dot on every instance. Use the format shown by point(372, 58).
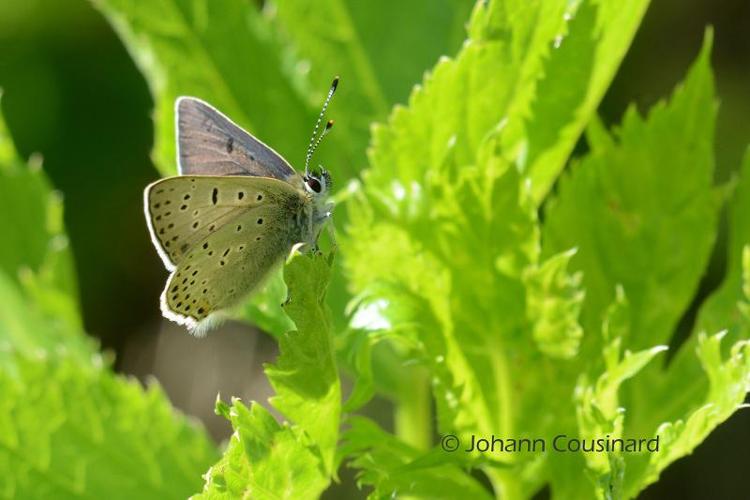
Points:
point(413, 413)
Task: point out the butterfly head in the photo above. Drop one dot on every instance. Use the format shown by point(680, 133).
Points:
point(319, 183)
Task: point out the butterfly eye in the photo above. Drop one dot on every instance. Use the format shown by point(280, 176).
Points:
point(313, 184)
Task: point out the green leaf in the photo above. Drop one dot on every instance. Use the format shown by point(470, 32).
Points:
point(392, 467)
point(27, 326)
point(461, 100)
point(496, 78)
point(644, 222)
point(598, 406)
point(35, 249)
point(553, 304)
point(69, 427)
point(296, 459)
point(692, 398)
point(222, 52)
point(576, 75)
point(264, 460)
point(639, 217)
point(364, 43)
point(721, 310)
point(305, 377)
point(75, 430)
point(728, 384)
point(38, 289)
point(443, 231)
point(725, 310)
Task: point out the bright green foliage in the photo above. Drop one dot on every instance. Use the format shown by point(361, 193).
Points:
point(553, 303)
point(305, 377)
point(218, 51)
point(264, 459)
point(69, 427)
point(74, 430)
point(642, 220)
point(366, 46)
point(391, 466)
point(728, 387)
point(444, 239)
point(38, 295)
point(268, 460)
point(585, 60)
point(35, 255)
point(519, 327)
point(721, 311)
point(495, 77)
point(726, 309)
point(650, 195)
point(598, 406)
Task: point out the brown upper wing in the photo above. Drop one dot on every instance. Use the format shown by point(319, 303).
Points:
point(209, 143)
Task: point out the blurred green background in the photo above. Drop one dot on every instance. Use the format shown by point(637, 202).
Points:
point(72, 93)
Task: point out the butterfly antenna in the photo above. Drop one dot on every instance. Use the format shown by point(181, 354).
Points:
point(315, 141)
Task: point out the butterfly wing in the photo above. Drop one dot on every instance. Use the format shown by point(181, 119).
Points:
point(183, 211)
point(246, 226)
point(209, 143)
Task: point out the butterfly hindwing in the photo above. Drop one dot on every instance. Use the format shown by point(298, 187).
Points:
point(228, 264)
point(182, 211)
point(209, 143)
point(247, 225)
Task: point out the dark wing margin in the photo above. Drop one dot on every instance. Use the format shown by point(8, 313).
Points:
point(209, 143)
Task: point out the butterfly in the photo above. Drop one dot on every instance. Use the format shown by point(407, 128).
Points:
point(232, 215)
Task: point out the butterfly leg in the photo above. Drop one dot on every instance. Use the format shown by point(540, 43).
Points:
point(326, 219)
point(332, 235)
point(331, 229)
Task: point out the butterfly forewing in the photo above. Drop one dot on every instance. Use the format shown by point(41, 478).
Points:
point(209, 143)
point(182, 211)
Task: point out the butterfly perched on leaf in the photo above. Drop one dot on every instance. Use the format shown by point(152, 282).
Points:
point(234, 212)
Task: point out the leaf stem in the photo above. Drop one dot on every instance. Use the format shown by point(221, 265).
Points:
point(506, 483)
point(413, 413)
